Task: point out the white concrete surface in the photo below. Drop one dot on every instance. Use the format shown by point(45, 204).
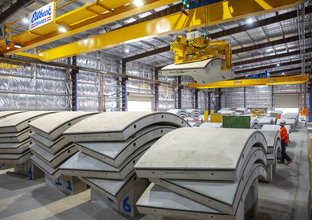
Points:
point(18, 122)
point(52, 126)
point(199, 153)
point(285, 198)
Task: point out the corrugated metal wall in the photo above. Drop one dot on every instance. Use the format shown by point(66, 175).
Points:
point(258, 96)
point(41, 87)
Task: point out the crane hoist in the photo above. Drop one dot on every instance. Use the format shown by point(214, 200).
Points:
point(197, 56)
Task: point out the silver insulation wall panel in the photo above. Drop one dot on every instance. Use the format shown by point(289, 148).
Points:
point(258, 96)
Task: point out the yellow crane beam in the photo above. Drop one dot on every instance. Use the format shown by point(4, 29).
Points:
point(89, 16)
point(298, 79)
point(203, 16)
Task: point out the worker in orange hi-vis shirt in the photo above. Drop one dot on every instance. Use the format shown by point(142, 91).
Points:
point(285, 141)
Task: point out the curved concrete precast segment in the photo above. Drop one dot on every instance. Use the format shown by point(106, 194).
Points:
point(115, 153)
point(4, 114)
point(114, 189)
point(272, 138)
point(53, 126)
point(82, 165)
point(179, 112)
point(15, 158)
point(200, 153)
point(254, 124)
point(223, 196)
point(118, 126)
point(51, 146)
point(18, 122)
point(204, 72)
point(15, 137)
point(264, 121)
point(52, 173)
point(14, 148)
point(159, 201)
point(210, 125)
point(291, 122)
point(275, 128)
point(54, 160)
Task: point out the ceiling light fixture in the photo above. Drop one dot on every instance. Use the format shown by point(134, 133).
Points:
point(138, 3)
point(17, 45)
point(62, 29)
point(127, 50)
point(268, 50)
point(25, 20)
point(250, 21)
point(278, 64)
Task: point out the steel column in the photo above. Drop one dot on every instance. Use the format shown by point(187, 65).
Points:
point(209, 103)
point(124, 86)
point(245, 98)
point(272, 97)
point(196, 98)
point(156, 91)
point(74, 75)
point(179, 93)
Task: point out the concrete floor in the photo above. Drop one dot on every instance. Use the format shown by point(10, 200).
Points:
point(286, 198)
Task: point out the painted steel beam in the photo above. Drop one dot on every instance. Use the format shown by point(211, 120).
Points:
point(254, 82)
point(269, 44)
point(293, 53)
point(68, 66)
point(269, 66)
point(14, 8)
point(230, 10)
point(260, 23)
point(148, 53)
point(80, 20)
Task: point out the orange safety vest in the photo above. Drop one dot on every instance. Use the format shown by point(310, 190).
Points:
point(278, 117)
point(284, 135)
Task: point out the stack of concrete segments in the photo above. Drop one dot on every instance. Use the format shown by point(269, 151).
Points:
point(265, 121)
point(294, 116)
point(211, 125)
point(3, 147)
point(15, 136)
point(273, 139)
point(291, 122)
point(109, 146)
point(179, 112)
point(275, 128)
point(50, 148)
point(226, 112)
point(212, 176)
point(274, 114)
point(4, 114)
point(193, 113)
point(254, 123)
point(194, 124)
point(242, 111)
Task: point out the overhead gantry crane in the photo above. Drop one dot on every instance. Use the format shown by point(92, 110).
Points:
point(100, 12)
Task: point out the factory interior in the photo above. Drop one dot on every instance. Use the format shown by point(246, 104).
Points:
point(156, 109)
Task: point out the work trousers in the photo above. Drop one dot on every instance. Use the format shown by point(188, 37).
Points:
point(284, 154)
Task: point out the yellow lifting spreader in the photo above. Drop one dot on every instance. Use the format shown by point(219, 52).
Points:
point(205, 60)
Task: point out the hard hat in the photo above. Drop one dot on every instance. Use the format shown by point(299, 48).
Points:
point(283, 122)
